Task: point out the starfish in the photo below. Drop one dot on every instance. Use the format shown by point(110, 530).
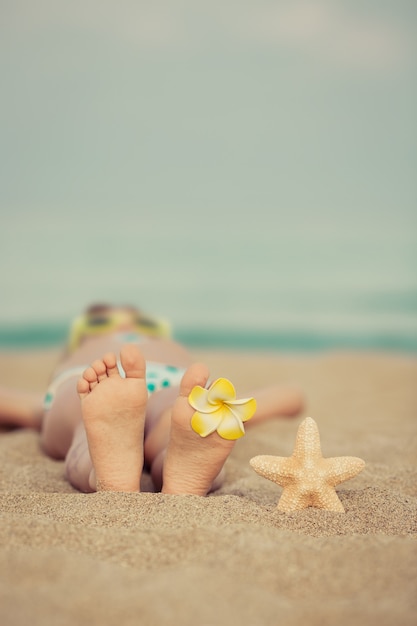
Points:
point(307, 477)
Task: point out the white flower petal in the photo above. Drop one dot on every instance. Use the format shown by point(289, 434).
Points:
point(198, 399)
point(204, 423)
point(243, 409)
point(230, 427)
point(221, 390)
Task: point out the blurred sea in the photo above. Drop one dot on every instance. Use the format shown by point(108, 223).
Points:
point(296, 281)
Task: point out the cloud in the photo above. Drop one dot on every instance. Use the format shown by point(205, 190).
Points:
point(138, 24)
point(329, 32)
point(332, 32)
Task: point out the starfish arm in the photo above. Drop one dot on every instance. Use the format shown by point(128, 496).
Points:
point(293, 499)
point(341, 468)
point(276, 468)
point(327, 499)
point(307, 443)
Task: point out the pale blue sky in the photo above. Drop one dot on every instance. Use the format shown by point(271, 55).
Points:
point(211, 105)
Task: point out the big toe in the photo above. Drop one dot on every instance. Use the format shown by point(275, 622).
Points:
point(196, 374)
point(132, 361)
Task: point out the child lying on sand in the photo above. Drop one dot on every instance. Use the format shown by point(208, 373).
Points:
point(129, 409)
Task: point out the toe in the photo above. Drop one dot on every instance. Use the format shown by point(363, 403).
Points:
point(110, 362)
point(83, 387)
point(196, 374)
point(132, 361)
point(100, 369)
point(90, 376)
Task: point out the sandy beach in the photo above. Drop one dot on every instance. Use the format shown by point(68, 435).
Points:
point(230, 558)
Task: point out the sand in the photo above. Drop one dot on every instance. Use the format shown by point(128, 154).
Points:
point(229, 558)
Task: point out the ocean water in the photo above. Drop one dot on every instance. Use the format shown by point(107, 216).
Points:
point(283, 280)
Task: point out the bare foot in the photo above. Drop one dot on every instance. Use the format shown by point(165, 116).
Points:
point(113, 411)
point(192, 463)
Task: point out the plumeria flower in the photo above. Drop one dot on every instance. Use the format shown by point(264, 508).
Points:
point(217, 409)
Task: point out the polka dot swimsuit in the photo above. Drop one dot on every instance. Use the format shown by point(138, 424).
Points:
point(159, 376)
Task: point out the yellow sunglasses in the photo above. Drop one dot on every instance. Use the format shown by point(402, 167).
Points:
point(103, 323)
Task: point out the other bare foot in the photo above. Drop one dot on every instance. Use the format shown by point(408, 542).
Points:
point(192, 463)
point(113, 410)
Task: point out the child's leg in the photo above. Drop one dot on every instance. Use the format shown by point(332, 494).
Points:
point(78, 463)
point(61, 420)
